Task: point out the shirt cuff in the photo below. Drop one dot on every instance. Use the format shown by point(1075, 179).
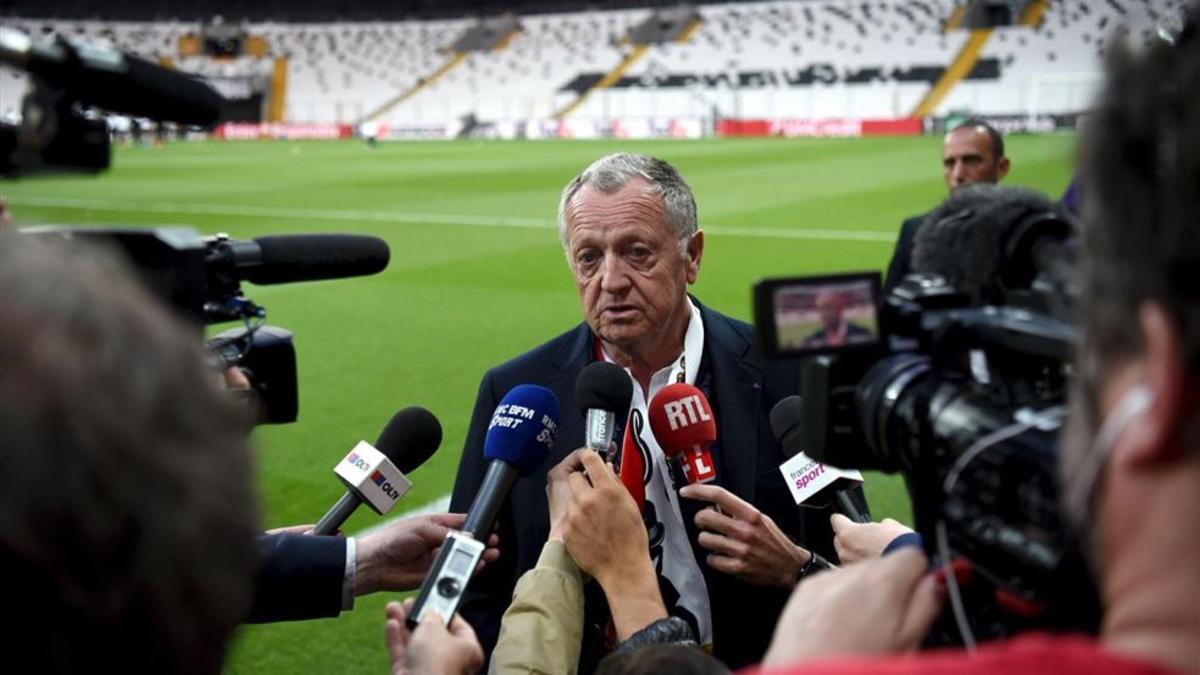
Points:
point(349, 575)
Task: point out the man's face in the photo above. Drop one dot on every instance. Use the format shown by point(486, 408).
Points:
point(830, 307)
point(632, 278)
point(967, 158)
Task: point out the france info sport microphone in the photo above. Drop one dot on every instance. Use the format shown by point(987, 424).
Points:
point(518, 439)
point(682, 422)
point(374, 475)
point(604, 391)
point(806, 477)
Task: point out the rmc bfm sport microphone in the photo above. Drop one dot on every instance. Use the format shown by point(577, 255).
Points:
point(519, 437)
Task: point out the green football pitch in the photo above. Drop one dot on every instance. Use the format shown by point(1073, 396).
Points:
point(477, 276)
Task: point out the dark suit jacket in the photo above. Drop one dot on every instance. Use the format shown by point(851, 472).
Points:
point(902, 256)
point(299, 577)
point(746, 457)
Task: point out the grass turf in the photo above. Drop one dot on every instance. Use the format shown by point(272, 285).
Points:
point(476, 277)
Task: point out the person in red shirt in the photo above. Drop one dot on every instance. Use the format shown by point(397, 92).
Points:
point(1130, 460)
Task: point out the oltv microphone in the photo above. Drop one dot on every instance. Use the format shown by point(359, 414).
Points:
point(519, 437)
point(811, 481)
point(604, 391)
point(375, 475)
point(682, 422)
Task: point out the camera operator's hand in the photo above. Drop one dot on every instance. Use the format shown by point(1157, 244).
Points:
point(431, 648)
point(861, 541)
point(879, 606)
point(606, 536)
point(744, 541)
point(396, 557)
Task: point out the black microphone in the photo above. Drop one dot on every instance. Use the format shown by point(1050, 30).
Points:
point(787, 425)
point(375, 475)
point(281, 259)
point(986, 239)
point(603, 390)
point(113, 80)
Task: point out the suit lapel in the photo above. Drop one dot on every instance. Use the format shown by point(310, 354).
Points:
point(736, 383)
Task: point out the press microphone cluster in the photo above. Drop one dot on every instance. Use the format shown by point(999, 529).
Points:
point(519, 437)
point(604, 391)
point(810, 481)
point(375, 475)
point(682, 422)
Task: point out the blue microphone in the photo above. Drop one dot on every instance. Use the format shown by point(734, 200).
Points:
point(518, 439)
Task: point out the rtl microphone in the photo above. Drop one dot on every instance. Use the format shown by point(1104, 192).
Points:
point(806, 477)
point(604, 391)
point(518, 439)
point(682, 422)
point(374, 475)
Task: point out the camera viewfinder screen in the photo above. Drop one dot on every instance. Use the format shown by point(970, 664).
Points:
point(824, 314)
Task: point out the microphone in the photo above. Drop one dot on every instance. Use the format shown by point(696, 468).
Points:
point(285, 258)
point(806, 477)
point(603, 389)
point(108, 78)
point(682, 422)
point(988, 239)
point(374, 475)
point(519, 438)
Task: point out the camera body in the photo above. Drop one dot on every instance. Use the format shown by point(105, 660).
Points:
point(200, 277)
point(963, 393)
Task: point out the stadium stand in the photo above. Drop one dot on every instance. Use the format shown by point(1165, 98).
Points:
point(849, 59)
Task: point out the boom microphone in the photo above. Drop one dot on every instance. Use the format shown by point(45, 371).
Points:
point(604, 390)
point(519, 437)
point(682, 422)
point(110, 79)
point(987, 239)
point(375, 474)
point(807, 478)
point(281, 259)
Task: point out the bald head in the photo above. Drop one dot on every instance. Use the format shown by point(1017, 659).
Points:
point(973, 153)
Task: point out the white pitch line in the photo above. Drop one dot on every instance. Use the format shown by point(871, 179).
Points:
point(439, 505)
point(417, 218)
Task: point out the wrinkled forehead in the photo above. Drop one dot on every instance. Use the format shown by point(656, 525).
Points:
point(635, 207)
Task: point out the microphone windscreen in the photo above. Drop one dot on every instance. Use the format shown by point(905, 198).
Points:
point(312, 257)
point(410, 438)
point(963, 239)
point(604, 386)
point(523, 427)
point(787, 419)
point(681, 418)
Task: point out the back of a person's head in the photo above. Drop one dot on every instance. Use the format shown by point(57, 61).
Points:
point(659, 659)
point(1140, 164)
point(127, 513)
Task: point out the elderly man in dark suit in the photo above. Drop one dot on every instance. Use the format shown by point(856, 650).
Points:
point(628, 226)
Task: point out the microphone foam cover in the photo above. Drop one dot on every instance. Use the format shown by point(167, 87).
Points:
point(410, 437)
point(523, 427)
point(604, 386)
point(681, 418)
point(964, 238)
point(787, 419)
point(312, 257)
